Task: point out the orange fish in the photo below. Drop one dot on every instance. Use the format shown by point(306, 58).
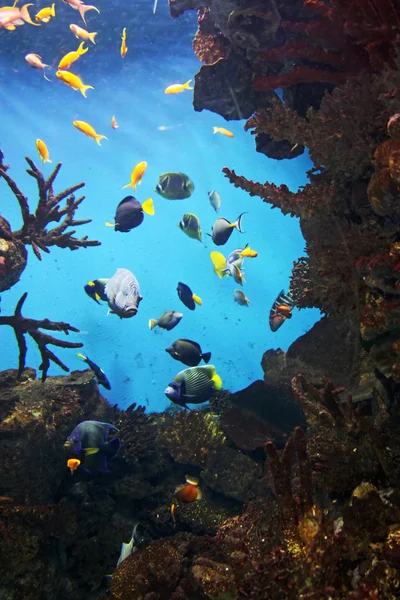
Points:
point(281, 310)
point(248, 252)
point(173, 514)
point(189, 491)
point(124, 47)
point(224, 131)
point(73, 464)
point(114, 123)
point(137, 175)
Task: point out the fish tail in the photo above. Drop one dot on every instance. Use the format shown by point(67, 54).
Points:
point(217, 381)
point(128, 185)
point(113, 447)
point(152, 323)
point(84, 88)
point(187, 85)
point(83, 9)
point(91, 37)
point(45, 160)
point(238, 223)
point(107, 224)
point(82, 356)
point(206, 356)
point(99, 137)
point(197, 299)
point(148, 206)
point(25, 16)
point(53, 10)
point(46, 78)
point(215, 129)
point(81, 50)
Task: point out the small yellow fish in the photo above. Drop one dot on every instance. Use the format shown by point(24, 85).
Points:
point(124, 47)
point(219, 262)
point(248, 252)
point(45, 14)
point(114, 123)
point(137, 175)
point(177, 88)
point(73, 81)
point(71, 57)
point(43, 151)
point(82, 34)
point(89, 131)
point(224, 131)
point(36, 62)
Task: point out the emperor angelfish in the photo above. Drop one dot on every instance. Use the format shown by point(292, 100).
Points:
point(123, 294)
point(130, 213)
point(89, 439)
point(194, 385)
point(168, 320)
point(222, 229)
point(174, 186)
point(280, 310)
point(188, 352)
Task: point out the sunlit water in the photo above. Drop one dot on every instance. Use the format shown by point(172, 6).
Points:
point(157, 252)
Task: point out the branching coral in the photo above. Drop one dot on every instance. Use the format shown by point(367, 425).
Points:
point(137, 432)
point(34, 229)
point(23, 326)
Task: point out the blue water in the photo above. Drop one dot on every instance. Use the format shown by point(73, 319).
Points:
point(157, 252)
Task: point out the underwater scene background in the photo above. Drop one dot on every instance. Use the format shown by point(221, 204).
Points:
point(157, 252)
point(273, 472)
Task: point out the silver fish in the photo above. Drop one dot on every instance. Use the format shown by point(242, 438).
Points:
point(240, 298)
point(215, 200)
point(222, 229)
point(168, 320)
point(123, 294)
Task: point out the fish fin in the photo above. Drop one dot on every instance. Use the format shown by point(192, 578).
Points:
point(91, 37)
point(206, 356)
point(25, 16)
point(128, 185)
point(148, 206)
point(197, 299)
point(187, 86)
point(238, 222)
point(217, 381)
point(91, 283)
point(97, 297)
point(99, 137)
point(155, 6)
point(113, 447)
point(83, 9)
point(81, 50)
point(53, 10)
point(126, 550)
point(47, 79)
point(108, 224)
point(199, 494)
point(152, 323)
point(215, 129)
point(83, 89)
point(82, 356)
point(90, 451)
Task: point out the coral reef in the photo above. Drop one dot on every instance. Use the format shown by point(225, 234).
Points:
point(34, 232)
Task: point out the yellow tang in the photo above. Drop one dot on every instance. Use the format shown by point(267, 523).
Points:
point(219, 262)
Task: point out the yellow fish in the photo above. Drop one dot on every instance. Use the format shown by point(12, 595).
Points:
point(89, 131)
point(124, 47)
point(248, 252)
point(177, 88)
point(11, 16)
point(73, 81)
point(71, 57)
point(43, 151)
point(219, 262)
point(82, 34)
point(137, 175)
point(45, 14)
point(224, 131)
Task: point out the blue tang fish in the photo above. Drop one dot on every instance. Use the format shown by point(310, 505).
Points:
point(89, 439)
